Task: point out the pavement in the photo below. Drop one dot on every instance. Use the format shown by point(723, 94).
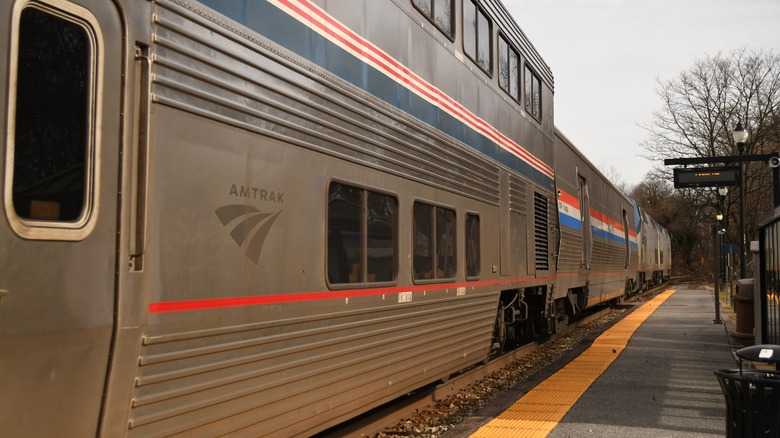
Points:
point(662, 383)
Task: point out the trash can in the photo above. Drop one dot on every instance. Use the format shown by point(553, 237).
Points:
point(743, 307)
point(752, 397)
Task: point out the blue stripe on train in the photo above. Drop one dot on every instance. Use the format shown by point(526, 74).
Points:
point(570, 222)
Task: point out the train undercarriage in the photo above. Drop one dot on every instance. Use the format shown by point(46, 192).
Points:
point(533, 314)
point(526, 315)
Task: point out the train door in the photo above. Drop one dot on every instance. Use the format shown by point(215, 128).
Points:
point(60, 74)
point(587, 237)
point(627, 240)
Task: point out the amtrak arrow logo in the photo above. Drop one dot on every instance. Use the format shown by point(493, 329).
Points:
point(250, 227)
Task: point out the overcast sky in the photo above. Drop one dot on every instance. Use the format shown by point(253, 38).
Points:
point(607, 57)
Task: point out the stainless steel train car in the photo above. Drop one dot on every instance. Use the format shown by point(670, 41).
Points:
point(654, 264)
point(597, 251)
point(264, 217)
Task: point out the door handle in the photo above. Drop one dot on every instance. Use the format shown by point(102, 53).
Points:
point(4, 293)
point(139, 158)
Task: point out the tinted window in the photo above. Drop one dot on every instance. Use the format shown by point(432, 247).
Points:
point(52, 124)
point(533, 94)
point(503, 63)
point(438, 12)
point(514, 74)
point(361, 235)
point(345, 249)
point(443, 16)
point(470, 29)
point(472, 246)
point(476, 35)
point(484, 55)
point(381, 237)
point(434, 242)
point(508, 62)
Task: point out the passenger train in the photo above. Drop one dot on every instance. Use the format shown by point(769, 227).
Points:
point(265, 217)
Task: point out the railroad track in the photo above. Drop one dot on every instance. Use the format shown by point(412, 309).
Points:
point(383, 419)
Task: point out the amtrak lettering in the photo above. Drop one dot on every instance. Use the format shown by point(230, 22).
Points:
point(256, 193)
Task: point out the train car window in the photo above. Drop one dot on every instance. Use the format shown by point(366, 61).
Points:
point(53, 106)
point(472, 246)
point(440, 13)
point(380, 237)
point(434, 242)
point(477, 42)
point(361, 235)
point(508, 68)
point(533, 94)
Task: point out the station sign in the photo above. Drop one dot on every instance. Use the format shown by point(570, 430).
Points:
point(706, 177)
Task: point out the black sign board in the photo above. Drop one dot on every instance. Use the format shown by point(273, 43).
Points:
point(706, 177)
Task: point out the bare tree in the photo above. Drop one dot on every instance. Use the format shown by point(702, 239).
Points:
point(612, 173)
point(700, 109)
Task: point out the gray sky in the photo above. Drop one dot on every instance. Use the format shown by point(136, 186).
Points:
point(607, 57)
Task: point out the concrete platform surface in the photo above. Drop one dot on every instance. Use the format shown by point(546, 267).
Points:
point(661, 384)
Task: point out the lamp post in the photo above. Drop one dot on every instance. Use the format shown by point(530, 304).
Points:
point(716, 232)
point(740, 137)
point(722, 192)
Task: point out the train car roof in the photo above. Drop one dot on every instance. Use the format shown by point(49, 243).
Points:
point(512, 30)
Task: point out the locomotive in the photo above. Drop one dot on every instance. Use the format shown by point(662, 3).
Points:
point(265, 217)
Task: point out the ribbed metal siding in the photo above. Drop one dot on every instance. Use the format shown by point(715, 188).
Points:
point(570, 256)
point(239, 79)
point(518, 198)
point(277, 377)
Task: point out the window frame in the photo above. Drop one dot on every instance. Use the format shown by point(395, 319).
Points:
point(432, 17)
point(474, 57)
point(470, 244)
point(510, 48)
point(531, 106)
point(363, 281)
point(81, 227)
point(434, 246)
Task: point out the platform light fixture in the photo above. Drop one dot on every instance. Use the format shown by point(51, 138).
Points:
point(722, 192)
point(723, 220)
point(740, 135)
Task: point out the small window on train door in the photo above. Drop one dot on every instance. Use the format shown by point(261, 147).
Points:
point(362, 236)
point(439, 12)
point(477, 36)
point(52, 115)
point(472, 247)
point(433, 240)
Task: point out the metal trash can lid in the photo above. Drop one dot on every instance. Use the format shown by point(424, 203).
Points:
point(764, 353)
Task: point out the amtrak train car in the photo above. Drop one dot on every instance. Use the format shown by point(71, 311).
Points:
point(597, 251)
point(265, 217)
point(654, 264)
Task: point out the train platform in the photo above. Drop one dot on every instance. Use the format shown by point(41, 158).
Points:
point(649, 375)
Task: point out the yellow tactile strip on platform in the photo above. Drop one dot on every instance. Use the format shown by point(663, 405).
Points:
point(539, 411)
